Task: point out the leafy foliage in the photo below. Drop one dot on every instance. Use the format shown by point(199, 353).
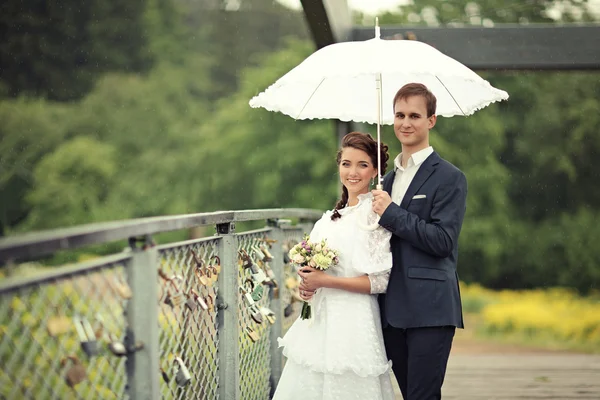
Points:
point(158, 122)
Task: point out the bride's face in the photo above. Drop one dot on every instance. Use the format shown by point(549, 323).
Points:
point(356, 170)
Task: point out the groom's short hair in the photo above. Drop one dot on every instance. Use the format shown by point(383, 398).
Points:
point(417, 89)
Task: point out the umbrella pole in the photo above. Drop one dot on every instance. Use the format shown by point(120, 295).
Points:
point(379, 186)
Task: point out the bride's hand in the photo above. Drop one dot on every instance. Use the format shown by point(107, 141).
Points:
point(312, 279)
point(306, 295)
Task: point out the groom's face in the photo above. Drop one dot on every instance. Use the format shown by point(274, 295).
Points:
point(411, 124)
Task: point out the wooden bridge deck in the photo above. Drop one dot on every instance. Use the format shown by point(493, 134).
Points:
point(477, 371)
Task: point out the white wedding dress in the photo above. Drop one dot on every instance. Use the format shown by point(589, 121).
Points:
point(339, 353)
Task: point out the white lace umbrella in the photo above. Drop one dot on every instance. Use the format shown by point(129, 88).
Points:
point(357, 81)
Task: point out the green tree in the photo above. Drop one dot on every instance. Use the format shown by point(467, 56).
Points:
point(261, 159)
point(238, 38)
point(57, 49)
point(28, 130)
point(71, 182)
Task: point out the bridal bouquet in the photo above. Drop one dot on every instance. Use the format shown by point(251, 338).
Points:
point(313, 254)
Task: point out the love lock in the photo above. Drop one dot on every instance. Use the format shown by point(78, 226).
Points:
point(176, 297)
point(256, 290)
point(58, 324)
point(204, 277)
point(182, 376)
point(194, 300)
point(116, 347)
point(76, 373)
point(256, 315)
point(258, 253)
point(247, 296)
point(267, 253)
point(217, 264)
point(253, 335)
point(269, 314)
point(87, 336)
point(214, 274)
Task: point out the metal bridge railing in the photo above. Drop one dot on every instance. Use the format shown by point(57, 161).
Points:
point(197, 319)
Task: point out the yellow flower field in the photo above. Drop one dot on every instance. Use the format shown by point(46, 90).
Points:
point(557, 318)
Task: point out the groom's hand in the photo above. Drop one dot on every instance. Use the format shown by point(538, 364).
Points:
point(381, 201)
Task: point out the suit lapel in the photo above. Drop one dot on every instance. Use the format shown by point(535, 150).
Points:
point(422, 175)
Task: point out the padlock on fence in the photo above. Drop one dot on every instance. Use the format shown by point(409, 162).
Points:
point(256, 290)
point(195, 298)
point(269, 314)
point(216, 264)
point(102, 333)
point(247, 296)
point(76, 372)
point(258, 253)
point(182, 376)
point(257, 274)
point(256, 315)
point(253, 335)
point(210, 302)
point(214, 275)
point(267, 253)
point(87, 336)
point(202, 277)
point(58, 324)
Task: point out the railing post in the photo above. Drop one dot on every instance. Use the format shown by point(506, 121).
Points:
point(276, 306)
point(227, 305)
point(143, 368)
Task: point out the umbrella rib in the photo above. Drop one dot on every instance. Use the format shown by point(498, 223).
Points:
point(311, 96)
point(456, 102)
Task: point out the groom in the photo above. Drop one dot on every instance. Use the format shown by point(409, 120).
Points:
point(423, 204)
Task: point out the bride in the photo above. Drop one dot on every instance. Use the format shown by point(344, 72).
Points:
point(339, 354)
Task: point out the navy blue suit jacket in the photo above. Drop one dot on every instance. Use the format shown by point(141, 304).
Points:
point(423, 287)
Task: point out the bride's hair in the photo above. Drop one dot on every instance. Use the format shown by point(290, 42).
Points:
point(366, 143)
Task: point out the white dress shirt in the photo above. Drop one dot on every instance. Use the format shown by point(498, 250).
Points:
point(404, 176)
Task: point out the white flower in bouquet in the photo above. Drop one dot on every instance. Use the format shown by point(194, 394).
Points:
point(298, 259)
point(322, 261)
point(316, 255)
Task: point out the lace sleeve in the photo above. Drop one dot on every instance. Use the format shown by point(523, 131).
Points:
point(379, 245)
point(379, 281)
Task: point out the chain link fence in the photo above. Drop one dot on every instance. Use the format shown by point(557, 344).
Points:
point(75, 331)
point(56, 330)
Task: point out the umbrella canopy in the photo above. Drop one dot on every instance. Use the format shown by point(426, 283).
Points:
point(339, 82)
point(357, 81)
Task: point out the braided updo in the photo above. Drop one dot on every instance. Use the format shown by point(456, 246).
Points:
point(366, 143)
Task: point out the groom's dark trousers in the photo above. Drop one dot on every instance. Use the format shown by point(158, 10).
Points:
point(422, 305)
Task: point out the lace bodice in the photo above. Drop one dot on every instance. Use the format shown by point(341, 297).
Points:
point(361, 251)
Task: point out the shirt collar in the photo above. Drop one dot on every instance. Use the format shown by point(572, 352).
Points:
point(416, 159)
